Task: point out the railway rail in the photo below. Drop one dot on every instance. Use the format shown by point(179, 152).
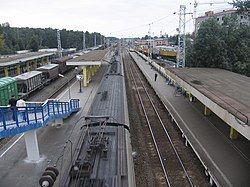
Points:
point(160, 133)
point(165, 141)
point(53, 89)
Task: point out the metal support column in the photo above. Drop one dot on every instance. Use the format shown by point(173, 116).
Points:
point(181, 37)
point(6, 72)
point(84, 42)
point(59, 46)
point(84, 73)
point(35, 63)
point(88, 74)
point(18, 69)
point(32, 146)
point(233, 134)
point(28, 66)
point(95, 41)
point(207, 111)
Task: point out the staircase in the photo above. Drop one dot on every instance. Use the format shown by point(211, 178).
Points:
point(37, 115)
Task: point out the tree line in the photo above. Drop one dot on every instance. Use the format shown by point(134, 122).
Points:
point(13, 39)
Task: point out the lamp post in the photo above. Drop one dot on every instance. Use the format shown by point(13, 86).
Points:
point(79, 78)
point(60, 75)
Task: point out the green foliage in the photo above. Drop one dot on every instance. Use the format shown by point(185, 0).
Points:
point(29, 38)
point(189, 53)
point(145, 37)
point(209, 46)
point(173, 40)
point(242, 6)
point(224, 46)
point(33, 44)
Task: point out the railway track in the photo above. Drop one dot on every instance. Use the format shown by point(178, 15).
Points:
point(166, 141)
point(53, 89)
point(171, 166)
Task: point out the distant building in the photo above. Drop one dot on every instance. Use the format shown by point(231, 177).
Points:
point(242, 18)
point(152, 42)
point(161, 42)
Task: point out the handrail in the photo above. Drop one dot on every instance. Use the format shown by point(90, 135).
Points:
point(14, 120)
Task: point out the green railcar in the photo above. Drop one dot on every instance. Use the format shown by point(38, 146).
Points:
point(8, 87)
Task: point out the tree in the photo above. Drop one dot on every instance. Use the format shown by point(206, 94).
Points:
point(242, 6)
point(189, 55)
point(209, 47)
point(224, 46)
point(145, 37)
point(173, 40)
point(33, 44)
point(25, 38)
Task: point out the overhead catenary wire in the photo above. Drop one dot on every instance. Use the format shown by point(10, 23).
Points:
point(144, 25)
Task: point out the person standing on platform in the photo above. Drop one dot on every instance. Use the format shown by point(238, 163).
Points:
point(21, 103)
point(12, 104)
point(156, 76)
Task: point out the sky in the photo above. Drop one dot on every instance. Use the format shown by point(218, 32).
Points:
point(119, 18)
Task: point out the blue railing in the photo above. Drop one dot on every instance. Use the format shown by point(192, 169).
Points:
point(34, 115)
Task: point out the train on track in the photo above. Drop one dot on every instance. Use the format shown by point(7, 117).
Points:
point(103, 155)
point(164, 52)
point(21, 86)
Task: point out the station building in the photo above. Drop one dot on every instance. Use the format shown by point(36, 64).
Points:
point(241, 17)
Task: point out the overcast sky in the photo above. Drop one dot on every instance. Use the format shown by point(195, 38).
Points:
point(120, 18)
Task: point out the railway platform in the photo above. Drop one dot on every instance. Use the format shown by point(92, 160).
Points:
point(55, 142)
point(223, 162)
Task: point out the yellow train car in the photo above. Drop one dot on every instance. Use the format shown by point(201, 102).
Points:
point(167, 52)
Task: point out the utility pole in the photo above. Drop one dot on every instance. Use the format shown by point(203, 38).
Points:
point(83, 42)
point(108, 42)
point(95, 41)
point(59, 46)
point(181, 37)
point(149, 42)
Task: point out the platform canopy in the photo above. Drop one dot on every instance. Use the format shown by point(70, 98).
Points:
point(16, 59)
point(91, 58)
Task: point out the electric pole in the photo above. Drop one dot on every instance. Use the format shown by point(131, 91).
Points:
point(181, 37)
point(83, 42)
point(59, 46)
point(149, 42)
point(95, 41)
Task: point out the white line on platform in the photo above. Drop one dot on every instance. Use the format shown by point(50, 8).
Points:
point(11, 145)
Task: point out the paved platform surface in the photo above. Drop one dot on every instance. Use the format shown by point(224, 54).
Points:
point(230, 90)
point(16, 171)
point(227, 164)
